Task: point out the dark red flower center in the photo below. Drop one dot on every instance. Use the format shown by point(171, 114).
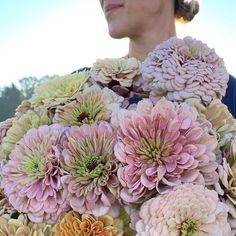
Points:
point(91, 166)
point(82, 116)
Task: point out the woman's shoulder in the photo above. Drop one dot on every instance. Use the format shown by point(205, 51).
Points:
point(230, 97)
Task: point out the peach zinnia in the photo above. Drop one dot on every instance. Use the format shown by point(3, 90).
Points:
point(86, 225)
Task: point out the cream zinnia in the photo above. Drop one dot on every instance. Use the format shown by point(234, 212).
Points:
point(20, 226)
point(187, 210)
point(121, 70)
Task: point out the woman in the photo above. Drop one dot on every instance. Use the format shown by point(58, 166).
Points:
point(148, 23)
point(72, 147)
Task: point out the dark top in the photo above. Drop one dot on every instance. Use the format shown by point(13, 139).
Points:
point(229, 99)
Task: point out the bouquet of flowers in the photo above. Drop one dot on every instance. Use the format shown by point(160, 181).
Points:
point(124, 148)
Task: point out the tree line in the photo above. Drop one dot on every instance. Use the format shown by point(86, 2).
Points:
point(11, 96)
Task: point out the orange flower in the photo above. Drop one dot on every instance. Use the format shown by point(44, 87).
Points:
point(86, 225)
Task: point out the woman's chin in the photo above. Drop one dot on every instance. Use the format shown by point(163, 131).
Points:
point(116, 35)
point(116, 32)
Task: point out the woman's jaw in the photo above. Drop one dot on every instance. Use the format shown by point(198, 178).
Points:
point(145, 22)
point(114, 12)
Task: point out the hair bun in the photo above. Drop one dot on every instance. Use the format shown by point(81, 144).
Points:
point(185, 10)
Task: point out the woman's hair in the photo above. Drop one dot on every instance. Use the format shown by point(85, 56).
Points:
point(185, 10)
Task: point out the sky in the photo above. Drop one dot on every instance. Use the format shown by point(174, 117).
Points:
point(48, 37)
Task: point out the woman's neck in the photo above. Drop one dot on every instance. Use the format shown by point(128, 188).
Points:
point(141, 45)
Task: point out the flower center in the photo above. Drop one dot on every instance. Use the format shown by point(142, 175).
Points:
point(189, 228)
point(87, 111)
point(153, 149)
point(192, 51)
point(90, 168)
point(84, 115)
point(32, 166)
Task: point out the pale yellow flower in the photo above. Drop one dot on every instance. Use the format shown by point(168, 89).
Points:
point(59, 90)
point(5, 206)
point(220, 117)
point(31, 119)
point(91, 105)
point(221, 120)
point(22, 227)
point(22, 108)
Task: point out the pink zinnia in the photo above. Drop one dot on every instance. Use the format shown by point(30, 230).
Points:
point(92, 183)
point(31, 179)
point(162, 146)
point(179, 69)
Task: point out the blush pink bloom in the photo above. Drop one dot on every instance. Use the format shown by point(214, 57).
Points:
point(160, 147)
point(31, 179)
point(88, 157)
point(187, 210)
point(179, 69)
